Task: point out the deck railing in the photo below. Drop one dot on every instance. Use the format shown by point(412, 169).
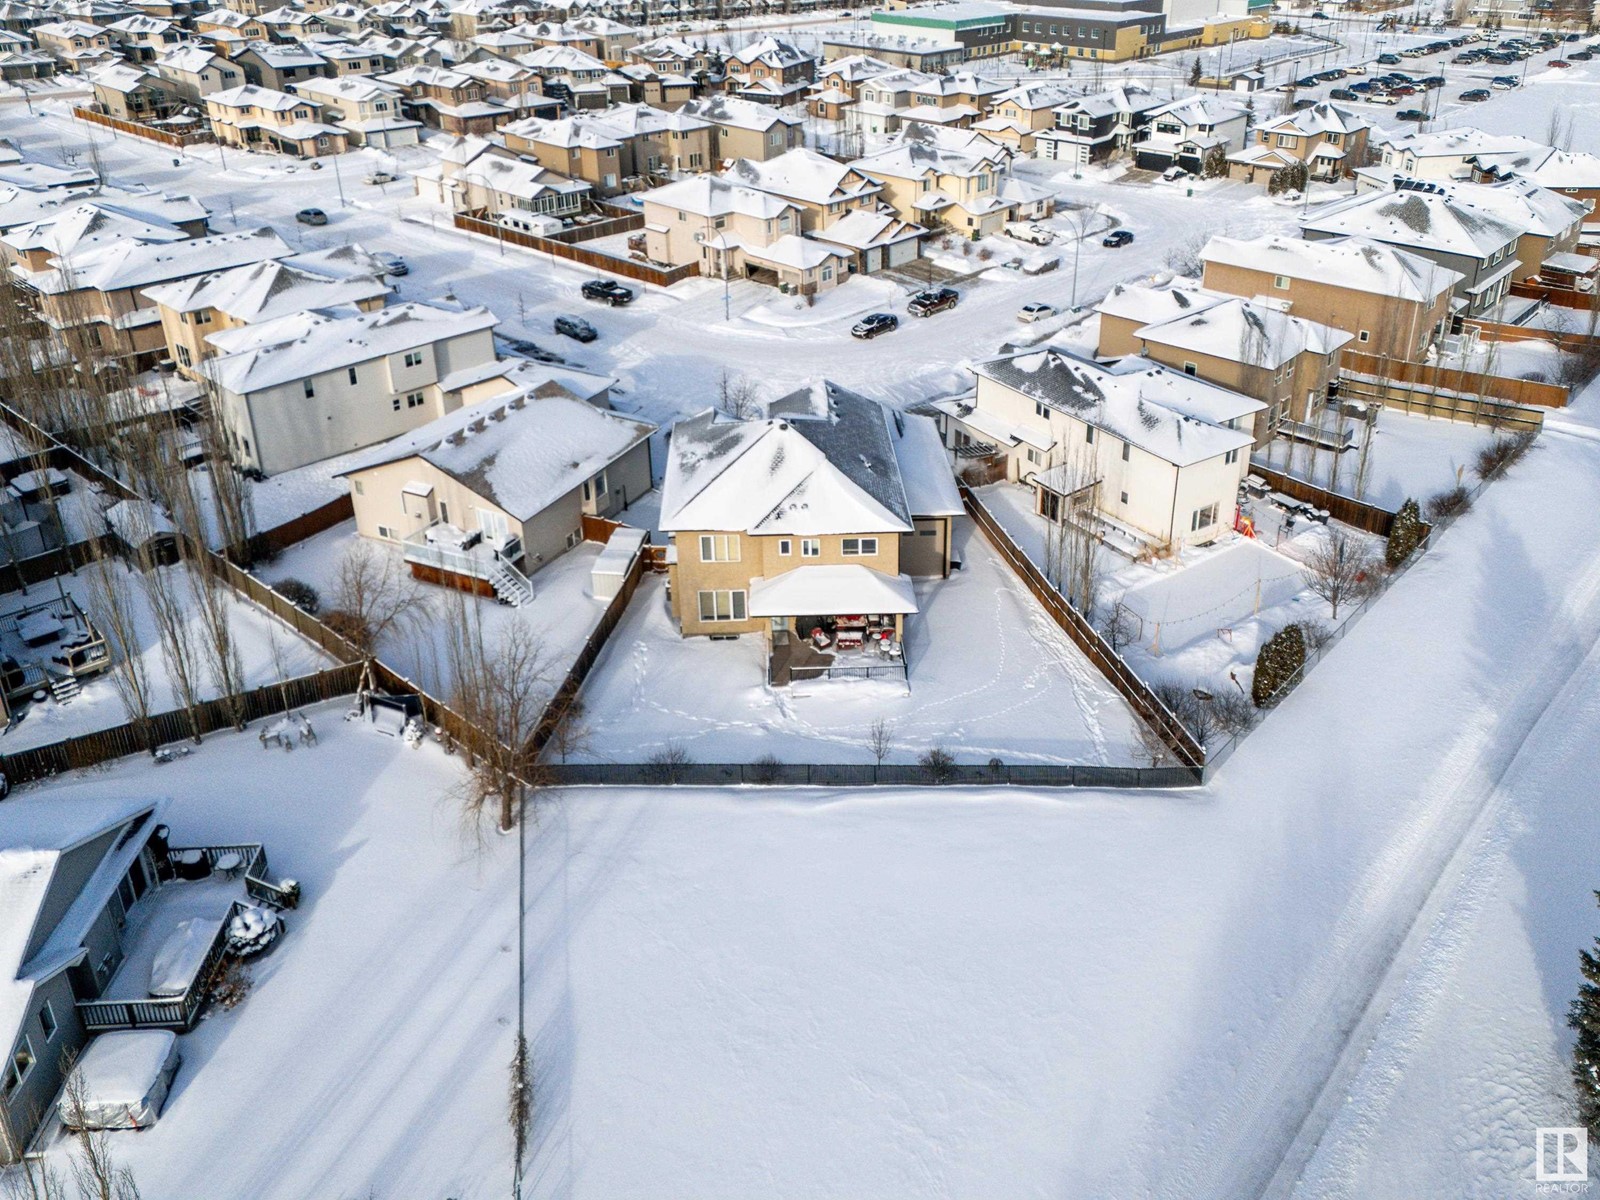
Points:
point(176, 1013)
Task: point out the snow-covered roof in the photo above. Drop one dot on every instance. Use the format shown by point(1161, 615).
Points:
point(520, 451)
point(1523, 203)
point(254, 357)
point(804, 174)
point(796, 252)
point(35, 832)
point(561, 60)
point(862, 229)
point(72, 229)
point(138, 521)
point(355, 88)
point(1033, 96)
point(913, 159)
point(1426, 220)
point(721, 109)
point(771, 52)
point(1460, 143)
point(267, 290)
point(36, 175)
point(1354, 263)
point(1243, 331)
point(832, 591)
point(1142, 407)
point(714, 196)
point(516, 177)
point(1125, 98)
point(139, 264)
point(856, 68)
point(252, 96)
point(1318, 119)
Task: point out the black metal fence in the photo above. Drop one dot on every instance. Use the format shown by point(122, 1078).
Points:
point(843, 775)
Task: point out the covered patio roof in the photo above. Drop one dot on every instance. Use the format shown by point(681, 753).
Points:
point(830, 591)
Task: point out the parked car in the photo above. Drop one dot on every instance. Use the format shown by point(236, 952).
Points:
point(380, 177)
point(935, 300)
point(1503, 83)
point(1343, 94)
point(533, 350)
point(608, 291)
point(1362, 87)
point(1037, 235)
point(576, 328)
point(1036, 312)
point(1356, 69)
point(1560, 63)
point(391, 264)
point(1174, 173)
point(1117, 237)
point(1579, 56)
point(1473, 95)
point(1389, 60)
point(1305, 103)
point(1411, 114)
point(871, 325)
point(311, 216)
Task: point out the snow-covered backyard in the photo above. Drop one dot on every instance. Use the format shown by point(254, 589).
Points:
point(990, 677)
point(268, 650)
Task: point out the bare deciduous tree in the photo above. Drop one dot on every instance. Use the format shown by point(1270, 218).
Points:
point(880, 739)
point(1340, 569)
point(94, 1169)
point(570, 733)
point(374, 595)
point(737, 396)
point(1072, 552)
point(113, 608)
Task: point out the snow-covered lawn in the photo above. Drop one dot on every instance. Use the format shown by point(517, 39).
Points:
point(269, 650)
point(990, 676)
point(1410, 456)
point(563, 613)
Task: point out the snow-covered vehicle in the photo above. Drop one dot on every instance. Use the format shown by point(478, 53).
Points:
point(121, 1081)
point(1024, 231)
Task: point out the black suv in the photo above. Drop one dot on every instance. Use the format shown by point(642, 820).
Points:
point(609, 291)
point(935, 300)
point(577, 328)
point(871, 325)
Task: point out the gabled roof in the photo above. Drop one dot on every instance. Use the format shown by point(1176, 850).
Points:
point(251, 95)
point(772, 52)
point(715, 196)
point(138, 264)
point(804, 174)
point(522, 450)
point(1318, 119)
point(1152, 408)
point(1354, 263)
point(1242, 331)
point(1424, 220)
point(87, 224)
point(267, 290)
point(254, 357)
point(722, 109)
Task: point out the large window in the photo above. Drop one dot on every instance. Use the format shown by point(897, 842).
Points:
point(1203, 518)
point(19, 1068)
point(810, 548)
point(860, 546)
point(719, 547)
point(722, 606)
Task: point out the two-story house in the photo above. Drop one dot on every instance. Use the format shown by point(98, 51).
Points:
point(1329, 140)
point(605, 148)
point(275, 66)
point(448, 100)
point(369, 111)
point(807, 527)
point(131, 93)
point(195, 72)
point(1186, 132)
point(969, 191)
point(141, 38)
point(1148, 457)
point(258, 118)
point(771, 71)
point(1093, 128)
point(77, 45)
point(824, 189)
point(1248, 346)
point(1395, 302)
point(580, 80)
point(745, 129)
point(314, 384)
point(1017, 116)
point(738, 232)
point(1479, 246)
point(192, 309)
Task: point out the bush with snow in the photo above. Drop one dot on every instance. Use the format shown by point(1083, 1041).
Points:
point(1279, 662)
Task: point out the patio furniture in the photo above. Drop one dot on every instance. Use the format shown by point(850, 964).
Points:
point(229, 863)
point(190, 864)
point(820, 638)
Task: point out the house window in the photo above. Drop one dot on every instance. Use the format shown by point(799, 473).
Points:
point(202, 317)
point(310, 389)
point(386, 533)
point(413, 399)
point(1281, 282)
point(1041, 409)
point(359, 489)
point(413, 359)
point(1231, 457)
point(183, 356)
point(1190, 369)
point(20, 1066)
point(1088, 434)
point(1034, 457)
point(47, 1021)
point(352, 374)
point(1203, 518)
point(1364, 336)
point(854, 547)
point(722, 606)
point(1124, 497)
point(785, 546)
point(1127, 451)
point(810, 548)
point(594, 488)
point(719, 547)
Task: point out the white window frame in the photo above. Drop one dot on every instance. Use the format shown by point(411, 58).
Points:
point(16, 1076)
point(712, 610)
point(859, 547)
point(1203, 518)
point(785, 547)
point(50, 1026)
point(810, 547)
point(719, 547)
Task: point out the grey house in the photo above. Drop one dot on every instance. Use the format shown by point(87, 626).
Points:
point(63, 902)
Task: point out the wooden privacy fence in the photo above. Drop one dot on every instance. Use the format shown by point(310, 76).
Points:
point(1359, 513)
point(627, 267)
point(151, 134)
point(1084, 635)
point(209, 716)
point(1412, 398)
point(1454, 379)
point(1497, 331)
point(1560, 297)
point(280, 537)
